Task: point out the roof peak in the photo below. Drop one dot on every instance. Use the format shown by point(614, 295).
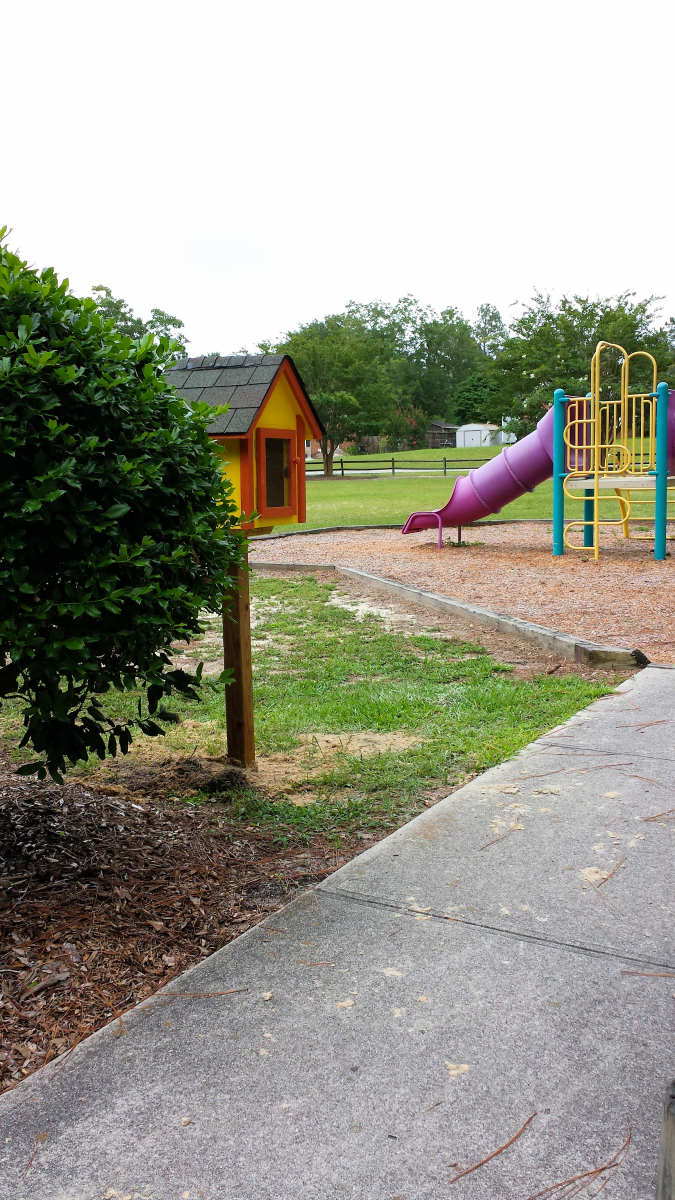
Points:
point(219, 362)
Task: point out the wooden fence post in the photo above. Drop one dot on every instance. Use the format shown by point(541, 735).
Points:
point(237, 656)
point(665, 1187)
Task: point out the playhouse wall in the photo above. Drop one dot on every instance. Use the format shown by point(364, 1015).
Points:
point(231, 465)
point(280, 412)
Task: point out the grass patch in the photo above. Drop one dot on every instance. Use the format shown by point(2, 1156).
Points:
point(319, 670)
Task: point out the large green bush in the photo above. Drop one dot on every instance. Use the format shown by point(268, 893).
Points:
point(116, 525)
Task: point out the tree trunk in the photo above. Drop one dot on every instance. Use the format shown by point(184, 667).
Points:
point(327, 452)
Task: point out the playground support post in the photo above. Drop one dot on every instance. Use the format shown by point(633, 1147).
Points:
point(589, 516)
point(559, 401)
point(661, 498)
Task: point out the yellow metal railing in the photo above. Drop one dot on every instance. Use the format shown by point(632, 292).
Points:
point(611, 438)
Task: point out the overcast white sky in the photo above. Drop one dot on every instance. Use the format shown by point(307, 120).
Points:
point(250, 166)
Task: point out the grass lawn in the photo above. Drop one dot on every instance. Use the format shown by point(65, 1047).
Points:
point(389, 500)
point(320, 670)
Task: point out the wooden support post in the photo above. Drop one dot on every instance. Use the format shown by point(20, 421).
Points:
point(665, 1186)
point(237, 655)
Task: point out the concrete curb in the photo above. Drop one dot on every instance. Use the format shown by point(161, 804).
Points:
point(565, 644)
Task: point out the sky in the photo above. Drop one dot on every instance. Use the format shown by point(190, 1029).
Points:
point(252, 166)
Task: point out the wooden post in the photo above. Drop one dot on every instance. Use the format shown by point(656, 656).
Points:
point(237, 656)
point(665, 1187)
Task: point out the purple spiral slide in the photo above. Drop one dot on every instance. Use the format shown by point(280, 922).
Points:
point(519, 468)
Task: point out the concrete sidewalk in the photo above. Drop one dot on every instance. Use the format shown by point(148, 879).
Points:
point(468, 971)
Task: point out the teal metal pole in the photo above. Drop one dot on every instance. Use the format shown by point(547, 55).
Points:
point(589, 510)
point(589, 517)
point(661, 499)
point(558, 471)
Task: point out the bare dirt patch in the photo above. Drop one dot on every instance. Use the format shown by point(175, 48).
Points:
point(280, 774)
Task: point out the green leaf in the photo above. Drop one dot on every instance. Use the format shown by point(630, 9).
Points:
point(30, 768)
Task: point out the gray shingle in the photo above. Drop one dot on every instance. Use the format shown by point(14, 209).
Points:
point(177, 378)
point(237, 421)
point(205, 378)
point(191, 394)
point(264, 374)
point(253, 360)
point(232, 376)
point(224, 360)
point(210, 361)
point(237, 360)
point(247, 397)
point(179, 365)
point(194, 362)
point(218, 395)
point(270, 360)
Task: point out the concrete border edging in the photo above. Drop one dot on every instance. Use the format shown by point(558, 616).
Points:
point(565, 644)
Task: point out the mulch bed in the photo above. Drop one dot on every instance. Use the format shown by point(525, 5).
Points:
point(103, 901)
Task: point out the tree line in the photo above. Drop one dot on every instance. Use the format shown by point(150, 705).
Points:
point(389, 370)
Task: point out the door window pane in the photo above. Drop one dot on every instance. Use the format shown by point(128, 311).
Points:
point(277, 474)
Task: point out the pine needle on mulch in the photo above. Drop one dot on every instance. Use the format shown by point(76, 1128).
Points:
point(103, 901)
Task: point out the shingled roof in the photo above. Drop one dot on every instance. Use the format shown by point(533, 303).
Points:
point(240, 380)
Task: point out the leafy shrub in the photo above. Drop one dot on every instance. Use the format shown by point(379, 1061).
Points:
point(116, 525)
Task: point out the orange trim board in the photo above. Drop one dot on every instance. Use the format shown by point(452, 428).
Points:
point(300, 465)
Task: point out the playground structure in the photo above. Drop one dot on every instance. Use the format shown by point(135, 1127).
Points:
point(597, 449)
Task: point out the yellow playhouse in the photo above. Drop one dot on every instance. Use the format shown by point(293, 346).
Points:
point(270, 416)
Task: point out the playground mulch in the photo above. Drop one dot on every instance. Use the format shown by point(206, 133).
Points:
point(103, 901)
point(625, 598)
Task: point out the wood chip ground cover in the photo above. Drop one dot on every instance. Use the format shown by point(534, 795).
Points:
point(115, 883)
point(103, 900)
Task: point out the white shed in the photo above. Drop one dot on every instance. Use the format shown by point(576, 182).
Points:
point(483, 435)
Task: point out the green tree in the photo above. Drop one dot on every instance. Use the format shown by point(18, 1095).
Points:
point(405, 428)
point(117, 526)
point(477, 399)
point(161, 323)
point(339, 413)
point(447, 354)
point(164, 325)
point(338, 354)
point(392, 358)
point(552, 346)
point(119, 312)
point(489, 330)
